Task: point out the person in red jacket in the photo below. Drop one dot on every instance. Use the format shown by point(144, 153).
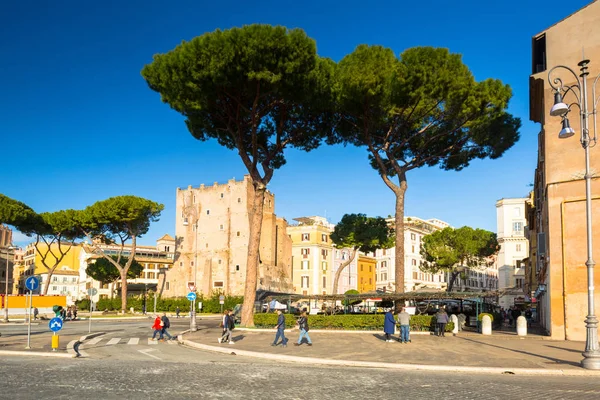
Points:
point(157, 327)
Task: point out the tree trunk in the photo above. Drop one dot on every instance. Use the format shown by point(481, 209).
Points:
point(399, 262)
point(123, 290)
point(47, 284)
point(255, 219)
point(338, 273)
point(453, 276)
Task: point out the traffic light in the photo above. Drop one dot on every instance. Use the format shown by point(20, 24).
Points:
point(57, 311)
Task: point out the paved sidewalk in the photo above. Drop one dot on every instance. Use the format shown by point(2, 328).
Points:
point(474, 351)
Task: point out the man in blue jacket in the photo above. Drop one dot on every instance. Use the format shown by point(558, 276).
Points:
point(280, 328)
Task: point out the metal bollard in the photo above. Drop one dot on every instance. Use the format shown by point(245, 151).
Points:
point(521, 326)
point(486, 325)
point(55, 342)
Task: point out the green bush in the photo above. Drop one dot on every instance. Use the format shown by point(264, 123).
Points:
point(372, 322)
point(209, 304)
point(480, 317)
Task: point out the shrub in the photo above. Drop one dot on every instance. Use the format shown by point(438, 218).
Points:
point(480, 317)
point(372, 322)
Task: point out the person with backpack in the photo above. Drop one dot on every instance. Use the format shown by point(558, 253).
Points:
point(227, 325)
point(442, 320)
point(303, 326)
point(166, 324)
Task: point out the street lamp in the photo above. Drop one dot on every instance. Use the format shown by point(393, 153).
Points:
point(591, 354)
point(6, 283)
point(190, 211)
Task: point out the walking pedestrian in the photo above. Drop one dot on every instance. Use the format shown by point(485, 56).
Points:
point(69, 313)
point(36, 312)
point(157, 327)
point(389, 325)
point(303, 326)
point(177, 311)
point(404, 322)
point(442, 320)
point(516, 313)
point(227, 327)
point(280, 330)
point(510, 316)
point(529, 317)
point(74, 312)
point(166, 324)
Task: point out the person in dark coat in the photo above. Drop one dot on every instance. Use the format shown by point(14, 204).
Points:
point(280, 330)
point(442, 320)
point(389, 325)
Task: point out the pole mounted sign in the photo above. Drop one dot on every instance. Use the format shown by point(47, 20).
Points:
point(32, 283)
point(221, 299)
point(191, 296)
point(55, 324)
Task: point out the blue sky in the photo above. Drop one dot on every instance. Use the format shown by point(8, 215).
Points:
point(79, 124)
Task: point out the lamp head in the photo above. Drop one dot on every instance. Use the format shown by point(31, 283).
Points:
point(566, 131)
point(559, 108)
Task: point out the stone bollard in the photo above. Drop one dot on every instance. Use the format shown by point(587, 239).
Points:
point(454, 319)
point(521, 326)
point(486, 325)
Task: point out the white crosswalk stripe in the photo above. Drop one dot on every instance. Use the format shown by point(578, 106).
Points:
point(114, 341)
point(94, 341)
point(150, 341)
point(134, 340)
point(172, 341)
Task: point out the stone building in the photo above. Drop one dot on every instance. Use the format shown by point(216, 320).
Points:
point(212, 233)
point(558, 215)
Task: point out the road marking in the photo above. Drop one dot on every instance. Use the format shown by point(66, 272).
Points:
point(94, 341)
point(114, 341)
point(146, 351)
point(150, 341)
point(172, 341)
point(134, 340)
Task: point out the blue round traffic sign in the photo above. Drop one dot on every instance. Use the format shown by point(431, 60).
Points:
point(55, 324)
point(32, 283)
point(191, 296)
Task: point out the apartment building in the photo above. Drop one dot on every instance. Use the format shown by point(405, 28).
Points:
point(514, 247)
point(558, 215)
point(71, 280)
point(7, 258)
point(312, 255)
point(414, 278)
point(367, 267)
point(212, 233)
point(349, 277)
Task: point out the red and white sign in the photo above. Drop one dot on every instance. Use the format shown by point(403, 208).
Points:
point(192, 286)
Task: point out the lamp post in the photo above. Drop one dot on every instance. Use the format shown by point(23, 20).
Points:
point(6, 283)
point(591, 354)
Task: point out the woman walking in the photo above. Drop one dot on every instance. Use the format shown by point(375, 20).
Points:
point(303, 326)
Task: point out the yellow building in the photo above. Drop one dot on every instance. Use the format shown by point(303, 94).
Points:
point(558, 217)
point(64, 280)
point(366, 273)
point(312, 255)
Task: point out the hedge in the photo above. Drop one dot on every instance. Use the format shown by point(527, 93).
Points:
point(372, 322)
point(209, 304)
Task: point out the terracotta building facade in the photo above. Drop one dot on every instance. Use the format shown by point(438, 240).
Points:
point(558, 215)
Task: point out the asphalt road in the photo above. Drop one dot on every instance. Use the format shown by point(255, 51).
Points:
point(29, 378)
point(126, 370)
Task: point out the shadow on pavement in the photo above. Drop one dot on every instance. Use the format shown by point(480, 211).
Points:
point(556, 360)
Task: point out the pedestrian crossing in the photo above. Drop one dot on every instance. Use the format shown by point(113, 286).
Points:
point(135, 341)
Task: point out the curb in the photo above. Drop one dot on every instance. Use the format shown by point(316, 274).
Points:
point(405, 367)
point(73, 346)
point(35, 353)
